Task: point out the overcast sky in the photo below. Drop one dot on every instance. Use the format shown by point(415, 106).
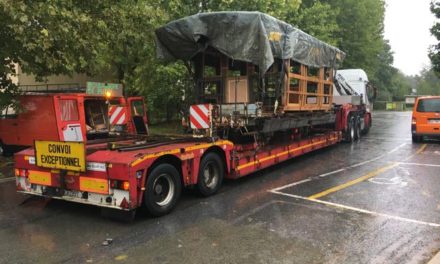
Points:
point(407, 24)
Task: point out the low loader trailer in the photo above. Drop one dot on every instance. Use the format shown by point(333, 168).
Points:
point(129, 174)
point(256, 102)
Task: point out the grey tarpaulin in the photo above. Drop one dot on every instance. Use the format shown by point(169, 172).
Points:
point(247, 36)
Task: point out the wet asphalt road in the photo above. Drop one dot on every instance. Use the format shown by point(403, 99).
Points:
point(375, 201)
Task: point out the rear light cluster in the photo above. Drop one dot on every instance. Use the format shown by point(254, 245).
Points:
point(414, 121)
point(22, 173)
point(121, 185)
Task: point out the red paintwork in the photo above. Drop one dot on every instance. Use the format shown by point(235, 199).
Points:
point(346, 110)
point(38, 116)
point(240, 160)
point(41, 119)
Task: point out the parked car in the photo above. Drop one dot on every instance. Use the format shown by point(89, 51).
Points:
point(426, 118)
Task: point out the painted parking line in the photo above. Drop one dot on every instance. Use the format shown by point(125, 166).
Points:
point(386, 138)
point(419, 164)
point(359, 210)
point(421, 149)
point(418, 152)
point(353, 182)
point(314, 198)
point(363, 162)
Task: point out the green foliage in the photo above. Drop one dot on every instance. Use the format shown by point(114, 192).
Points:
point(317, 19)
point(277, 8)
point(400, 86)
point(434, 53)
point(361, 26)
point(428, 83)
point(92, 37)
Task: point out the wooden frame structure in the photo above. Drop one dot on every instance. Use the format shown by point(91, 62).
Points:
point(296, 87)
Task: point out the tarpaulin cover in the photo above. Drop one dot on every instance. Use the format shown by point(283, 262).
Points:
point(247, 36)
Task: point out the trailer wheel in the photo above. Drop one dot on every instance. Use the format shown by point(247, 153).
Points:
point(210, 176)
point(162, 190)
point(350, 133)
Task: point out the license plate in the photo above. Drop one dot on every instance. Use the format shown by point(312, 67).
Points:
point(93, 185)
point(434, 121)
point(40, 177)
point(74, 194)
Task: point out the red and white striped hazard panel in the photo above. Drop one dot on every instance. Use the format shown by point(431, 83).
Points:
point(117, 115)
point(199, 116)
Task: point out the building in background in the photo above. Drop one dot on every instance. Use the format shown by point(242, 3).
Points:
point(76, 82)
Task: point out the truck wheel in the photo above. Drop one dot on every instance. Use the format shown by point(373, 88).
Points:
point(358, 129)
point(210, 176)
point(350, 133)
point(367, 127)
point(162, 190)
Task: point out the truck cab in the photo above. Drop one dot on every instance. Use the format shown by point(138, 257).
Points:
point(358, 81)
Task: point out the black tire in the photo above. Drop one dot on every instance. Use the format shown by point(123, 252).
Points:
point(162, 190)
point(367, 128)
point(211, 174)
point(358, 129)
point(416, 139)
point(350, 133)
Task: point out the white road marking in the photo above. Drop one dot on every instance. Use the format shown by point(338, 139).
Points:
point(351, 167)
point(332, 172)
point(396, 148)
point(359, 210)
point(386, 138)
point(387, 181)
point(292, 184)
point(342, 169)
point(419, 164)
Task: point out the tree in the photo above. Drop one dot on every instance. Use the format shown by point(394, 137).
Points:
point(318, 19)
point(66, 37)
point(360, 32)
point(434, 53)
point(428, 83)
point(44, 38)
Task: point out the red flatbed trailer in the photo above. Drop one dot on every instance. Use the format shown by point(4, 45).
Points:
point(125, 175)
